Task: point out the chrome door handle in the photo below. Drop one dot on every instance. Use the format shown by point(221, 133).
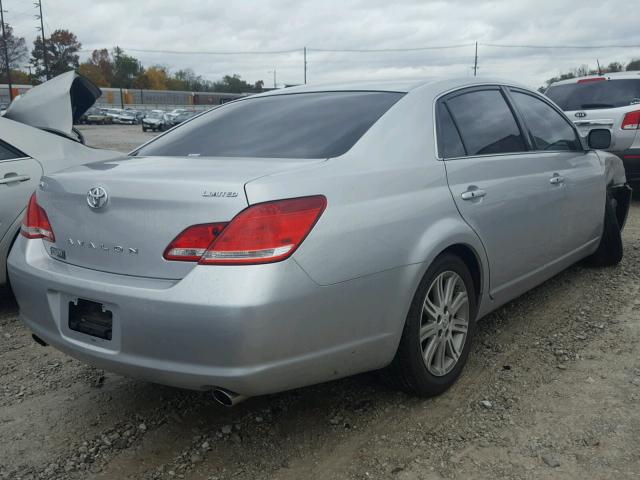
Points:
point(14, 179)
point(556, 180)
point(471, 194)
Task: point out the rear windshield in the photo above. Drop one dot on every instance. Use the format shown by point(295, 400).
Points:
point(598, 94)
point(303, 125)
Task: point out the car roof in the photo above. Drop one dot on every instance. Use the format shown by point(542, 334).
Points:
point(609, 76)
point(403, 86)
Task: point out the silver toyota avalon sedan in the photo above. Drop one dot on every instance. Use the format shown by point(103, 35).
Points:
point(312, 233)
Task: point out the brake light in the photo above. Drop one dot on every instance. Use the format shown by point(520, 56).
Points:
point(631, 121)
point(35, 223)
point(191, 244)
point(263, 233)
point(590, 80)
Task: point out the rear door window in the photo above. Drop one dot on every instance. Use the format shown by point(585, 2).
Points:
point(549, 130)
point(302, 125)
point(486, 123)
point(7, 152)
point(595, 94)
point(449, 141)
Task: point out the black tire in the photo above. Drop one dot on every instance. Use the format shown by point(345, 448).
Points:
point(144, 129)
point(408, 370)
point(610, 250)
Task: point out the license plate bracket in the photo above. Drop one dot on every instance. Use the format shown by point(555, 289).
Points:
point(91, 318)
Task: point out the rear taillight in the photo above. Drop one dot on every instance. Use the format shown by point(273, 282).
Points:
point(263, 233)
point(35, 223)
point(191, 244)
point(631, 121)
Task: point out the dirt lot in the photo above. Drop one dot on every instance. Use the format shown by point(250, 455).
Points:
point(115, 137)
point(552, 390)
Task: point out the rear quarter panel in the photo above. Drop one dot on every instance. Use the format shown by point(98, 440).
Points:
point(388, 204)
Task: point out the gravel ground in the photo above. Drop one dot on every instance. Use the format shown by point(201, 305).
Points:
point(123, 138)
point(552, 390)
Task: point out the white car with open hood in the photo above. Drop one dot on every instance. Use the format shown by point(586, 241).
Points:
point(37, 138)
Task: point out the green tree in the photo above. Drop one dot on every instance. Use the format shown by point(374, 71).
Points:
point(62, 49)
point(614, 67)
point(633, 65)
point(232, 84)
point(104, 61)
point(125, 68)
point(93, 73)
point(152, 78)
point(16, 50)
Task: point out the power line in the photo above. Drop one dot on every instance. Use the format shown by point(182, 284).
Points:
point(578, 47)
point(379, 50)
point(208, 52)
point(361, 50)
point(293, 50)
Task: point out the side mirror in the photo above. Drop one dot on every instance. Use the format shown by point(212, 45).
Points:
point(599, 139)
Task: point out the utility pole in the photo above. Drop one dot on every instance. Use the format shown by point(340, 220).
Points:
point(305, 65)
point(6, 53)
point(118, 75)
point(475, 62)
point(38, 5)
point(274, 77)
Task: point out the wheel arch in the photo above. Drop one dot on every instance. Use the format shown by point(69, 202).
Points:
point(471, 259)
point(5, 247)
point(462, 241)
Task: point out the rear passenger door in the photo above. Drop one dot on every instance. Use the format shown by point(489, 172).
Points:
point(579, 172)
point(19, 176)
point(500, 186)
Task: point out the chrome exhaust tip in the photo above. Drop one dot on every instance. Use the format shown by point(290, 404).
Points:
point(226, 397)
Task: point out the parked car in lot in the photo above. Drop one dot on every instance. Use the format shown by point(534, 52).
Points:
point(96, 116)
point(113, 113)
point(175, 112)
point(609, 101)
point(308, 234)
point(138, 114)
point(126, 117)
point(36, 138)
point(155, 120)
point(181, 117)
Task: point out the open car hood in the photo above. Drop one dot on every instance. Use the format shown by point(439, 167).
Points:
point(55, 104)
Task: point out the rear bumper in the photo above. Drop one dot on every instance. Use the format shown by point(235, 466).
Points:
point(631, 160)
point(250, 329)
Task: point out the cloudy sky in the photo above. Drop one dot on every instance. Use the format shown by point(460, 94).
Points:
point(153, 30)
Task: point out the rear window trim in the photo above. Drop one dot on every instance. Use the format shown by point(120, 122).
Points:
point(403, 94)
point(500, 87)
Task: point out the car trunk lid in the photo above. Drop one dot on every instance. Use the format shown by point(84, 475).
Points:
point(140, 204)
point(56, 104)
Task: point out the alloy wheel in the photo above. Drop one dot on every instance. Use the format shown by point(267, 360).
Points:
point(444, 323)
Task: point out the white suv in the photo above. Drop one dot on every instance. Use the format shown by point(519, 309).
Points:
point(608, 101)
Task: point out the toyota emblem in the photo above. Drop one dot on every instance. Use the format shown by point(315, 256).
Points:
point(97, 197)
